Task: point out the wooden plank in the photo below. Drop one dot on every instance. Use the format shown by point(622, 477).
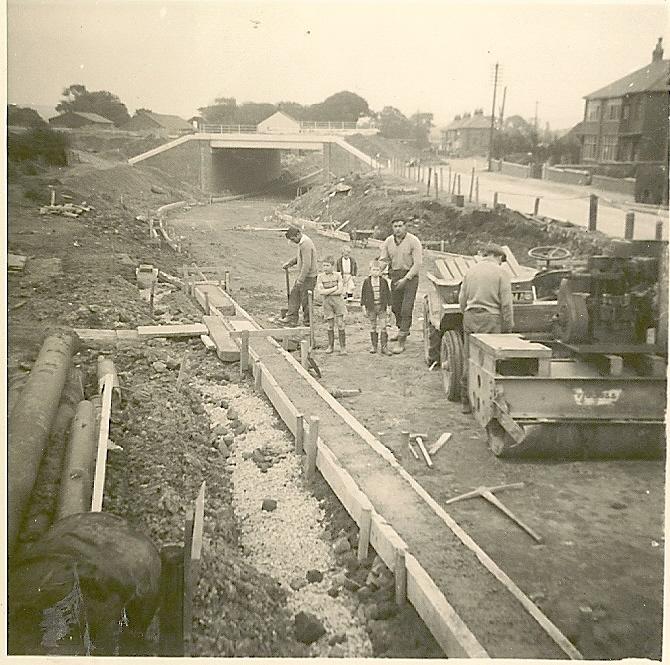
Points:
point(226, 349)
point(16, 261)
point(379, 539)
point(237, 325)
point(95, 335)
point(300, 434)
point(244, 350)
point(180, 330)
point(364, 534)
point(444, 270)
point(103, 436)
point(198, 524)
point(127, 336)
point(400, 573)
point(188, 580)
point(207, 341)
point(449, 630)
point(280, 401)
point(509, 346)
point(334, 474)
point(281, 333)
point(311, 448)
point(217, 297)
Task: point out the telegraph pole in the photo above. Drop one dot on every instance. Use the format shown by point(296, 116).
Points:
point(502, 108)
point(493, 114)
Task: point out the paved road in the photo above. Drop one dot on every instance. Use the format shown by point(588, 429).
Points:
point(567, 202)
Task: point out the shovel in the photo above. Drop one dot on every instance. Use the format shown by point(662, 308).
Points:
point(284, 310)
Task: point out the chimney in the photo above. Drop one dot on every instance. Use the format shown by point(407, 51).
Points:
point(657, 55)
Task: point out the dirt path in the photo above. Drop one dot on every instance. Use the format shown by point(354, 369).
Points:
point(599, 575)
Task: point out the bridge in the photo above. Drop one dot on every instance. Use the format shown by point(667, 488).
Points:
point(218, 162)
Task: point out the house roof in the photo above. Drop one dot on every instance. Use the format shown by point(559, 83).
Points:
point(280, 112)
point(167, 121)
point(93, 117)
point(654, 77)
point(477, 121)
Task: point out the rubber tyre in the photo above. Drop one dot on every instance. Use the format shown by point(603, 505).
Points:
point(431, 337)
point(451, 364)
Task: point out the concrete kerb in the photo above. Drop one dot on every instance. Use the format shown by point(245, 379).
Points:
point(447, 627)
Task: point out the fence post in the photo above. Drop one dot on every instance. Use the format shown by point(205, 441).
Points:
point(536, 208)
point(477, 190)
point(659, 230)
point(495, 200)
point(430, 175)
point(629, 229)
point(472, 184)
point(436, 179)
point(593, 212)
point(441, 180)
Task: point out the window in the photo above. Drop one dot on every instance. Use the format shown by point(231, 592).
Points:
point(608, 148)
point(613, 109)
point(590, 143)
point(625, 112)
point(593, 111)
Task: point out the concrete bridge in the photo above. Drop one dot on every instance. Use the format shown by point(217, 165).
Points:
point(247, 161)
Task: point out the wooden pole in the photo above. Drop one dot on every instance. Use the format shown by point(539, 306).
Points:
point(312, 331)
point(430, 175)
point(629, 229)
point(659, 230)
point(536, 207)
point(171, 639)
point(311, 447)
point(436, 189)
point(459, 184)
point(441, 180)
point(472, 184)
point(229, 286)
point(258, 378)
point(244, 352)
point(400, 572)
point(103, 436)
point(299, 434)
point(207, 310)
point(593, 212)
point(442, 246)
point(449, 185)
point(477, 190)
point(495, 199)
point(364, 533)
point(304, 353)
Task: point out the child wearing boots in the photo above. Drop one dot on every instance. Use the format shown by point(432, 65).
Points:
point(347, 267)
point(329, 286)
point(376, 298)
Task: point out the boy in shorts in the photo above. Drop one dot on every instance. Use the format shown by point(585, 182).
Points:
point(376, 298)
point(329, 286)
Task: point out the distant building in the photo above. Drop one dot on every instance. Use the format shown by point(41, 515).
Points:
point(158, 124)
point(78, 119)
point(627, 120)
point(467, 134)
point(279, 123)
point(196, 122)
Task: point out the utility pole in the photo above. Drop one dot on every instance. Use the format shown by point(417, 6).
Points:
point(502, 108)
point(535, 121)
point(493, 115)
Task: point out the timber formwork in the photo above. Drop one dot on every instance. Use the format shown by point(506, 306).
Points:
point(470, 605)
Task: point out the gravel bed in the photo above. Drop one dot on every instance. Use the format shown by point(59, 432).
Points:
point(290, 539)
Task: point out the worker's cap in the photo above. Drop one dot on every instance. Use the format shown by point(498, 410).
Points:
point(493, 250)
point(293, 232)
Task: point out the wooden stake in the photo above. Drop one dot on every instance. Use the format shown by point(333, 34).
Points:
point(103, 435)
point(171, 639)
point(229, 286)
point(304, 353)
point(477, 190)
point(299, 434)
point(472, 184)
point(207, 310)
point(244, 351)
point(430, 175)
point(188, 581)
point(536, 207)
point(424, 452)
point(311, 448)
point(312, 332)
point(441, 180)
point(400, 577)
point(495, 200)
point(364, 533)
point(593, 212)
point(258, 379)
point(436, 178)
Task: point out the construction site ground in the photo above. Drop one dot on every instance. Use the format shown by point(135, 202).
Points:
point(599, 574)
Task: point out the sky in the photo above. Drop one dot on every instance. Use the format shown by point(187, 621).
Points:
point(174, 57)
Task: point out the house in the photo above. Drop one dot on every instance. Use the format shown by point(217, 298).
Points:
point(467, 134)
point(627, 120)
point(196, 122)
point(158, 124)
point(78, 119)
point(279, 123)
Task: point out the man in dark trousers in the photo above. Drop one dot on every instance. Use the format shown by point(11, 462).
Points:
point(403, 253)
point(485, 299)
point(308, 269)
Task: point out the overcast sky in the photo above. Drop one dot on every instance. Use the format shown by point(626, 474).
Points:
point(173, 57)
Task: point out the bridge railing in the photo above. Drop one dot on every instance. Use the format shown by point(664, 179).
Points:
point(228, 129)
point(306, 126)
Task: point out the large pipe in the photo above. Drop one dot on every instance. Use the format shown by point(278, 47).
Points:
point(76, 483)
point(30, 423)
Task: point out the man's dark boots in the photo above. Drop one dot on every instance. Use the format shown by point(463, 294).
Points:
point(385, 344)
point(343, 342)
point(402, 337)
point(374, 339)
point(331, 341)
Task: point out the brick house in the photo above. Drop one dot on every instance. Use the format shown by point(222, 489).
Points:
point(467, 134)
point(627, 120)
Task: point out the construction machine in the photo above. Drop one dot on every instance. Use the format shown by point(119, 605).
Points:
point(587, 379)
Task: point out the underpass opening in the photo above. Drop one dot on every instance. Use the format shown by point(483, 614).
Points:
point(244, 170)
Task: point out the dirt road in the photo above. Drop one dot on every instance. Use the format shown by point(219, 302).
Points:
point(599, 574)
point(568, 202)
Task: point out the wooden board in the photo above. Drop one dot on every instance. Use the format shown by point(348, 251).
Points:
point(509, 346)
point(16, 261)
point(290, 333)
point(186, 330)
point(226, 349)
point(280, 401)
point(103, 436)
point(216, 297)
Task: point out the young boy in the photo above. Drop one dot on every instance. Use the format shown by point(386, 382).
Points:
point(347, 267)
point(376, 298)
point(329, 287)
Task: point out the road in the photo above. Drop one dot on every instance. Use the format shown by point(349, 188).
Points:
point(557, 200)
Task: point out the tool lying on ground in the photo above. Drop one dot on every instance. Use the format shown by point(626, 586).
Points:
point(487, 493)
point(439, 443)
point(313, 366)
point(412, 450)
point(345, 392)
point(419, 437)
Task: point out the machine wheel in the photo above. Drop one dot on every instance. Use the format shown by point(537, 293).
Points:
point(573, 314)
point(498, 439)
point(431, 337)
point(451, 364)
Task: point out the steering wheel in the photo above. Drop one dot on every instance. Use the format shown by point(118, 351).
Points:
point(549, 253)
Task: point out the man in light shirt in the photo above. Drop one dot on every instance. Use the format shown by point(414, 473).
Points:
point(485, 299)
point(307, 263)
point(403, 253)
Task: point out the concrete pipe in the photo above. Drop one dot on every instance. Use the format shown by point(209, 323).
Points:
point(30, 423)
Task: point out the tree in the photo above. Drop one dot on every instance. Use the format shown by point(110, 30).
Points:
point(421, 126)
point(343, 106)
point(23, 116)
point(393, 124)
point(102, 102)
point(295, 110)
point(221, 112)
point(142, 110)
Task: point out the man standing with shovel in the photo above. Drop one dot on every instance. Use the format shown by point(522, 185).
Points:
point(307, 263)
